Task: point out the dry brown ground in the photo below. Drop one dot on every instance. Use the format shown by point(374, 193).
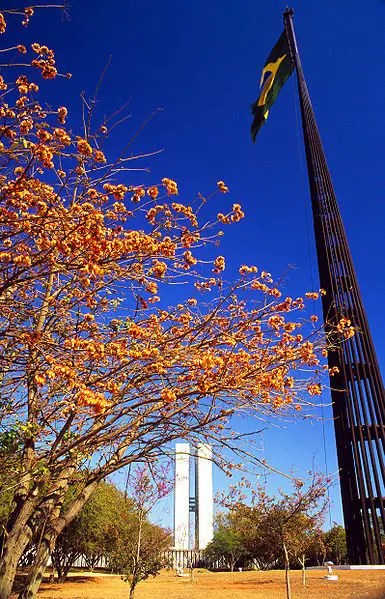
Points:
point(238, 585)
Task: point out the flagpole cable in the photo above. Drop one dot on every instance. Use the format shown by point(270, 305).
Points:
point(311, 272)
point(304, 186)
point(311, 269)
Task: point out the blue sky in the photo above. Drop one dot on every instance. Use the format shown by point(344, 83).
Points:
point(200, 62)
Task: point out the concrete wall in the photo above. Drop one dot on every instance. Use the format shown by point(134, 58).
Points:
point(205, 495)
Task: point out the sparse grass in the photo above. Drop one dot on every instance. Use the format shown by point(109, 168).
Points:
point(223, 585)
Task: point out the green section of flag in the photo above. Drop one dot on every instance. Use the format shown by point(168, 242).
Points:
point(278, 68)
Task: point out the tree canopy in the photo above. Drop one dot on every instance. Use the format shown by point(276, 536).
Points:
point(227, 547)
point(91, 534)
point(275, 530)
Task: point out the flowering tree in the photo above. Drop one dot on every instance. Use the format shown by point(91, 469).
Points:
point(279, 529)
point(139, 546)
point(93, 375)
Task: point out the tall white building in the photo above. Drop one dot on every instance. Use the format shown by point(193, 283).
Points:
point(201, 505)
point(182, 496)
point(204, 497)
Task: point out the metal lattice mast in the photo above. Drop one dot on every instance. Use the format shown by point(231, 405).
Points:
point(357, 391)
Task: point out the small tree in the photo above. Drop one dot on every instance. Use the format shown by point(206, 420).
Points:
point(303, 537)
point(227, 545)
point(141, 546)
point(335, 541)
point(282, 528)
point(67, 550)
point(137, 565)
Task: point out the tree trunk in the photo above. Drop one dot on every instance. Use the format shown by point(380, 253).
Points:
point(35, 575)
point(134, 579)
point(287, 572)
point(54, 526)
point(66, 572)
point(63, 566)
point(16, 540)
point(12, 552)
point(19, 530)
point(303, 571)
point(59, 572)
point(46, 543)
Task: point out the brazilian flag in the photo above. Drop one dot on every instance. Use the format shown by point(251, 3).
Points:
point(278, 68)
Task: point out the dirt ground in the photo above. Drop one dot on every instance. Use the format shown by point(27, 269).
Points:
point(238, 585)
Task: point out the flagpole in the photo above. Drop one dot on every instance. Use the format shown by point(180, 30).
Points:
point(357, 390)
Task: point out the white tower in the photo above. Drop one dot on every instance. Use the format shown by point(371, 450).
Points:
point(201, 504)
point(182, 496)
point(204, 496)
